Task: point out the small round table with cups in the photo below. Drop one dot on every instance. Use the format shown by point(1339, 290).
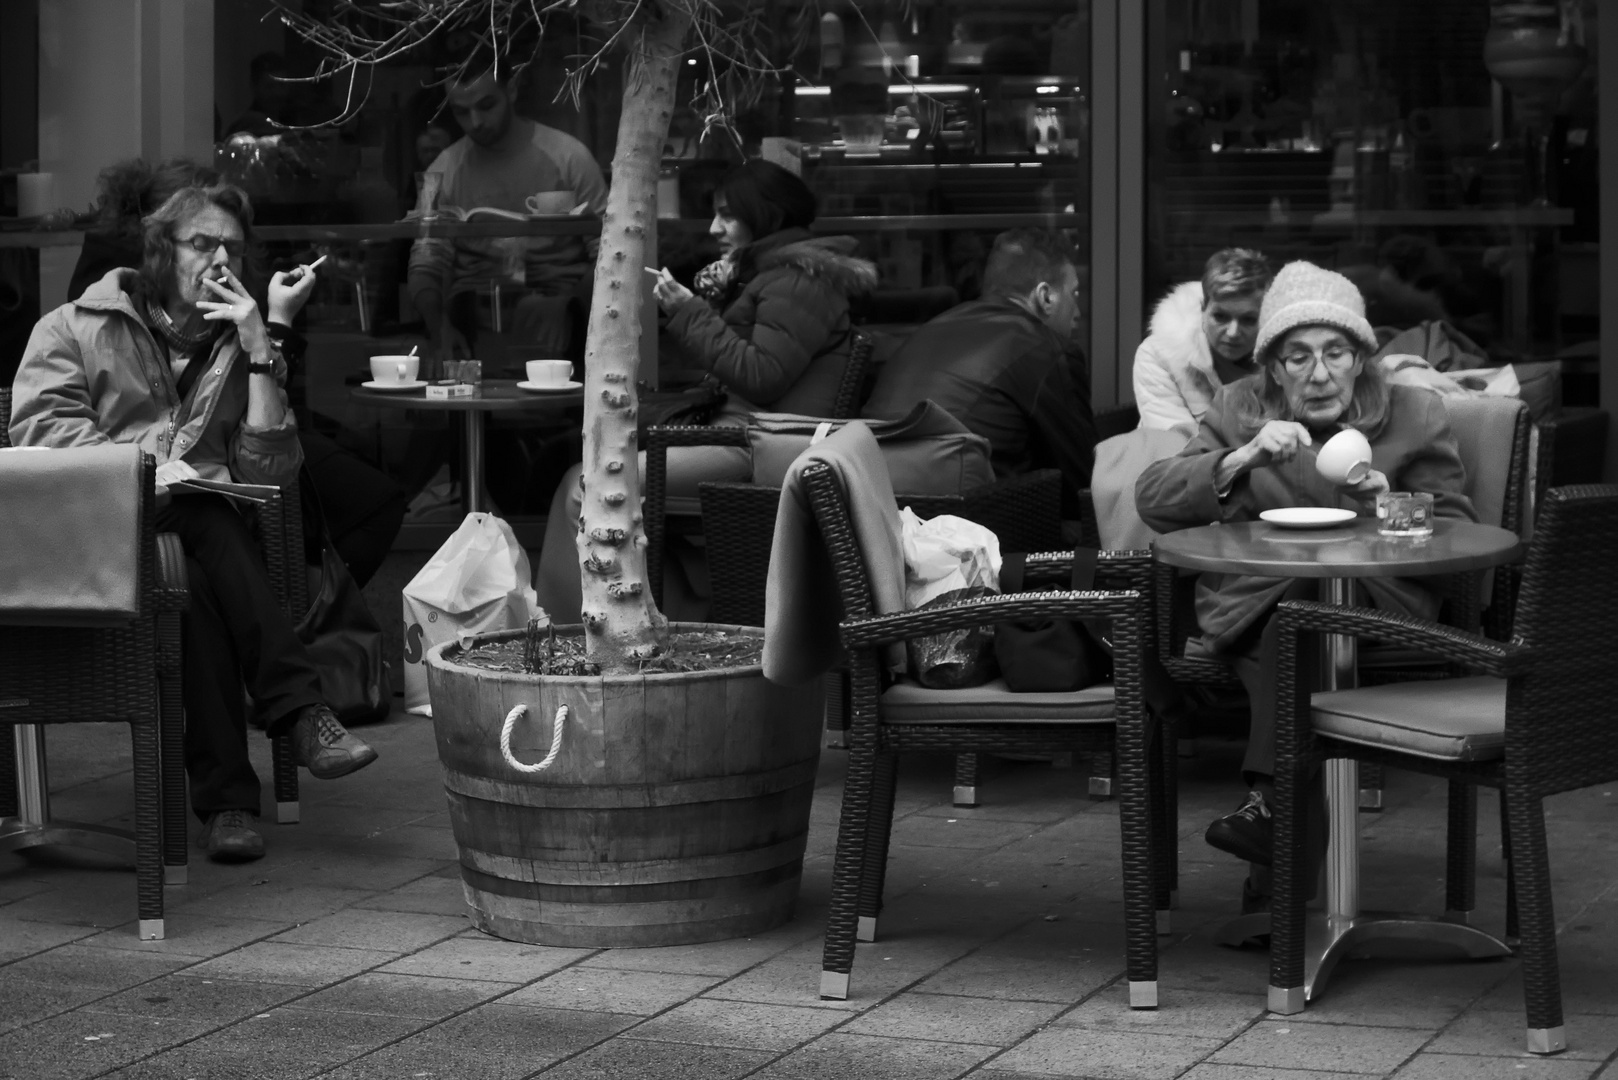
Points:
point(506, 397)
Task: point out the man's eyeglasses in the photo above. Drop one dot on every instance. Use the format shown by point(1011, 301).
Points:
point(1338, 359)
point(204, 244)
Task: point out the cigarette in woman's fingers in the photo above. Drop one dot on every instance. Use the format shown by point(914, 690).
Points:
point(654, 271)
point(316, 263)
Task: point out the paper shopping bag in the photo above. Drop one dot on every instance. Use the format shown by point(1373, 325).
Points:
point(478, 581)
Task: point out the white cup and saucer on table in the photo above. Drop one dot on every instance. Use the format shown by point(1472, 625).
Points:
point(1344, 459)
point(395, 373)
point(549, 376)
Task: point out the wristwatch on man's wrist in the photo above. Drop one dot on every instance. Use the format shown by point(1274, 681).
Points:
point(261, 369)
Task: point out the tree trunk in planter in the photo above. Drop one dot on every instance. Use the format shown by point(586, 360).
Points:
point(622, 624)
point(675, 810)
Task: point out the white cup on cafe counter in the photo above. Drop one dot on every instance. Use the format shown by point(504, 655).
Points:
point(1345, 458)
point(549, 372)
point(395, 368)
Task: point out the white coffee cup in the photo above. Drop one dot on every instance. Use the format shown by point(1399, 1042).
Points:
point(549, 372)
point(1345, 458)
point(395, 368)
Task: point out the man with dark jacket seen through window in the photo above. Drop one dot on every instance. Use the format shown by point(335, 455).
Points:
point(1005, 365)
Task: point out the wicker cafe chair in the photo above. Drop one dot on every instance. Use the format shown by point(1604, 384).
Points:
point(278, 526)
point(126, 672)
point(1493, 436)
point(682, 514)
point(888, 719)
point(1024, 512)
point(1538, 720)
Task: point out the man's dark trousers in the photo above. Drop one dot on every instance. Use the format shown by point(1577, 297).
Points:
point(234, 633)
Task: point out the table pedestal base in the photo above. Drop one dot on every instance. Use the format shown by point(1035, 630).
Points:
point(17, 834)
point(1379, 935)
point(1373, 935)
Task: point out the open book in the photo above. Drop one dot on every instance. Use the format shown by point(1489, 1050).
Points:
point(253, 493)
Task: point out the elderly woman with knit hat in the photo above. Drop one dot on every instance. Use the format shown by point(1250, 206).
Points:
point(1255, 451)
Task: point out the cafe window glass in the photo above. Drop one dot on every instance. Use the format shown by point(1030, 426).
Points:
point(925, 129)
point(1440, 154)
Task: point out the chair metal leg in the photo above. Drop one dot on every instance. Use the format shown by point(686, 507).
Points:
point(286, 782)
point(836, 684)
point(1461, 862)
point(966, 780)
point(1287, 992)
point(1513, 927)
point(878, 834)
point(148, 831)
point(1140, 863)
point(842, 912)
point(1102, 770)
point(171, 755)
point(1542, 989)
point(1170, 785)
point(1371, 786)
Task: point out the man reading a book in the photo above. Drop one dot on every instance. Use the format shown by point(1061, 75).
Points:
point(509, 163)
point(175, 358)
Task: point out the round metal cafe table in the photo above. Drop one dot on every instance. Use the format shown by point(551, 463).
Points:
point(1336, 556)
point(500, 397)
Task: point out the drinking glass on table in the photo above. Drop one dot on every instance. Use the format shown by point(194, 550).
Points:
point(465, 371)
point(1405, 514)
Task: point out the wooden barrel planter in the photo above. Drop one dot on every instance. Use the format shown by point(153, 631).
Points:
point(675, 811)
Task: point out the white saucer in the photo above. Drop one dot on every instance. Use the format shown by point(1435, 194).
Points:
point(548, 388)
point(395, 384)
point(1308, 517)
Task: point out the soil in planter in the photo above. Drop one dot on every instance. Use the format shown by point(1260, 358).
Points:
point(563, 654)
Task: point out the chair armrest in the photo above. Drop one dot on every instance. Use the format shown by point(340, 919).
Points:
point(1493, 657)
point(695, 435)
point(966, 614)
point(1114, 569)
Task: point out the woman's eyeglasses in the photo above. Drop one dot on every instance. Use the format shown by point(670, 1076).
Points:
point(1338, 359)
point(204, 244)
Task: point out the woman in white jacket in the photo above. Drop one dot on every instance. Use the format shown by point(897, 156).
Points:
point(1201, 338)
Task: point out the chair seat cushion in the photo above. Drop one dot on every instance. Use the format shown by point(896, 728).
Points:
point(1444, 719)
point(908, 702)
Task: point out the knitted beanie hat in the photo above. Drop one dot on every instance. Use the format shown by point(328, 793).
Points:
point(1304, 294)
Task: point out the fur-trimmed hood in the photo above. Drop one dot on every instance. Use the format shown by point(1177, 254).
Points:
point(1174, 377)
point(828, 258)
point(1177, 320)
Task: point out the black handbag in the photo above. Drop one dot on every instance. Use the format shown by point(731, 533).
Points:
point(342, 637)
point(1052, 655)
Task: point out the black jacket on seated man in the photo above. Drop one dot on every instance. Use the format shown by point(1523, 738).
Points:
point(1008, 377)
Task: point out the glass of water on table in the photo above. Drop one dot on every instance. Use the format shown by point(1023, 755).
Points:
point(1405, 515)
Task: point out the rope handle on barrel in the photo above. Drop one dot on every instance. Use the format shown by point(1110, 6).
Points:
point(556, 740)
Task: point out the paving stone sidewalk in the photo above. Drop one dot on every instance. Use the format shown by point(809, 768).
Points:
point(346, 952)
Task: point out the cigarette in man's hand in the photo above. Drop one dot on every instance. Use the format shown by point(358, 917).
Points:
point(302, 271)
point(654, 271)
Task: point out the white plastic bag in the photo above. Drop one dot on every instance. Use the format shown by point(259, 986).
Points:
point(945, 553)
point(476, 582)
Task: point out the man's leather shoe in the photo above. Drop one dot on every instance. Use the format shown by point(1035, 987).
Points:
point(1247, 833)
point(325, 747)
point(229, 836)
